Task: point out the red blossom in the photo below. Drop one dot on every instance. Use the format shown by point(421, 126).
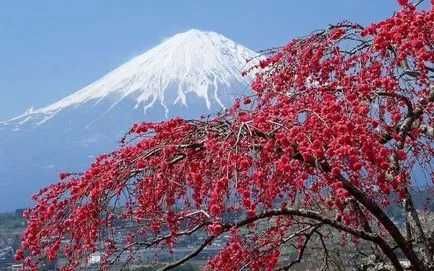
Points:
point(336, 114)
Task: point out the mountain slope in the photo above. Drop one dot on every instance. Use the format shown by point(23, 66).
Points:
point(190, 74)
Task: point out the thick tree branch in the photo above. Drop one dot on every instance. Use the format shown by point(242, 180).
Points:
point(309, 214)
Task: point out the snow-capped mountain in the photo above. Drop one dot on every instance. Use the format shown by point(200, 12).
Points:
point(190, 74)
point(196, 63)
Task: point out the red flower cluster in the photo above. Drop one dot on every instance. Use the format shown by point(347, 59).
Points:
point(341, 109)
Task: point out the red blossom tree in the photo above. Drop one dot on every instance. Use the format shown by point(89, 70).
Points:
point(340, 127)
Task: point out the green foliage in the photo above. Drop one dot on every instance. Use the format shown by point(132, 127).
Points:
point(11, 222)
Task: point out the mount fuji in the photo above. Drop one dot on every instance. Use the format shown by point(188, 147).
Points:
point(189, 74)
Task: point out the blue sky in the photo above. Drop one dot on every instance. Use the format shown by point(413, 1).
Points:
point(49, 49)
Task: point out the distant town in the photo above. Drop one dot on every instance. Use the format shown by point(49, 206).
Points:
point(12, 224)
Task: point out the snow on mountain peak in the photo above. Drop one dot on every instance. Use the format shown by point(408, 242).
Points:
point(195, 61)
